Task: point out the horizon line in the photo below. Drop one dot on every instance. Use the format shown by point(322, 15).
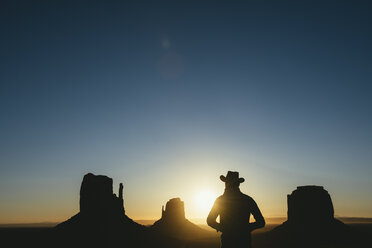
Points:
point(51, 223)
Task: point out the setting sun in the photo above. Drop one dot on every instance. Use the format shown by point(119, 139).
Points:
point(204, 200)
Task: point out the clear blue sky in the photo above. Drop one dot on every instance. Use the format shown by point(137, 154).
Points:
point(166, 96)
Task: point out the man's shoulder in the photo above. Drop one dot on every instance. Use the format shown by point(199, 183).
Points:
point(248, 198)
point(220, 198)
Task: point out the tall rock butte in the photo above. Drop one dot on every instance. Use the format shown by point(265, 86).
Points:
point(102, 219)
point(311, 219)
point(98, 200)
point(174, 211)
point(311, 205)
point(173, 222)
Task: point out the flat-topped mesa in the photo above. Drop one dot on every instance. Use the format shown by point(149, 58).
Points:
point(311, 221)
point(311, 205)
point(174, 210)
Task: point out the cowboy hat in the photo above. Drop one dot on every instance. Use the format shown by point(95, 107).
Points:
point(232, 176)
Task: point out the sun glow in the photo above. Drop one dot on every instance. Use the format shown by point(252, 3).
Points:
point(204, 200)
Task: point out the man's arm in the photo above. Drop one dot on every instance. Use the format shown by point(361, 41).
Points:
point(260, 221)
point(212, 216)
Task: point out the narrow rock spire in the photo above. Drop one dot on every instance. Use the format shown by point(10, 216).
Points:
point(121, 191)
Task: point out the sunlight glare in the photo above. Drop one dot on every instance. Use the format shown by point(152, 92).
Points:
point(204, 200)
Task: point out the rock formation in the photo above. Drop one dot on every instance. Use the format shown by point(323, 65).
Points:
point(175, 210)
point(102, 221)
point(311, 219)
point(99, 203)
point(311, 205)
point(98, 200)
point(173, 222)
point(101, 216)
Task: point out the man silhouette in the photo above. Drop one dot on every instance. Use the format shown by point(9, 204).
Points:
point(234, 209)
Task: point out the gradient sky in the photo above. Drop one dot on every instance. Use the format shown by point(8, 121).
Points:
point(167, 96)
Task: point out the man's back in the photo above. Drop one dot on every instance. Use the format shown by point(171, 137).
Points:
point(235, 209)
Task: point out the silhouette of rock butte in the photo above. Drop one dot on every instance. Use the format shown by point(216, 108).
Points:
point(97, 197)
point(101, 214)
point(174, 210)
point(311, 217)
point(173, 222)
point(311, 205)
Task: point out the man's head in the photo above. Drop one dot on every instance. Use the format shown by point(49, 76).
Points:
point(232, 179)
